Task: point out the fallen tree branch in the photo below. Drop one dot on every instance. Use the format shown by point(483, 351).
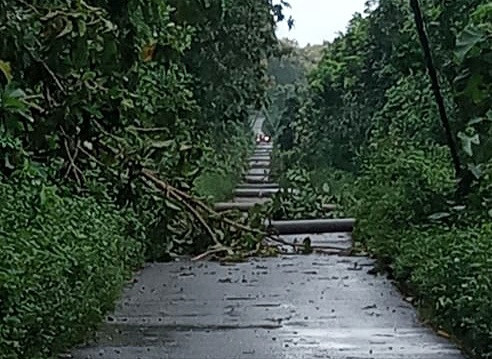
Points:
point(184, 197)
point(318, 251)
point(93, 158)
point(149, 175)
point(147, 129)
point(170, 192)
point(204, 224)
point(208, 253)
point(53, 75)
point(72, 164)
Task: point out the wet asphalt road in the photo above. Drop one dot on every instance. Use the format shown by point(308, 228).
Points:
point(289, 307)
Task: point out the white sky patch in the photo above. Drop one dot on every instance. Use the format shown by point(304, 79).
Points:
point(318, 20)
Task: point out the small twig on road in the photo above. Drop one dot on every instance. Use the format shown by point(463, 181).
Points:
point(208, 253)
point(300, 245)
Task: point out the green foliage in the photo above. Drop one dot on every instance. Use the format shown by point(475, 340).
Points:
point(107, 89)
point(216, 186)
point(474, 87)
point(399, 188)
point(373, 79)
point(283, 100)
point(224, 164)
point(402, 120)
point(369, 110)
point(229, 75)
point(289, 66)
point(63, 262)
point(308, 195)
point(91, 93)
point(307, 201)
point(450, 270)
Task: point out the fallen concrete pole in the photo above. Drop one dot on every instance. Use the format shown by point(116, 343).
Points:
point(261, 192)
point(259, 164)
point(259, 159)
point(256, 179)
point(258, 186)
point(264, 192)
point(261, 154)
point(312, 226)
point(256, 200)
point(258, 172)
point(240, 206)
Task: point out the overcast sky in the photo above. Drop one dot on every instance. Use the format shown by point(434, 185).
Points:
point(318, 20)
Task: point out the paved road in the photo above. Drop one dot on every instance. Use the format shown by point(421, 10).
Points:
point(289, 307)
point(258, 125)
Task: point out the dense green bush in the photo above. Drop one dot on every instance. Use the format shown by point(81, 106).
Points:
point(309, 194)
point(216, 186)
point(63, 262)
point(399, 187)
point(369, 110)
point(98, 90)
point(92, 95)
point(450, 270)
point(436, 249)
point(225, 165)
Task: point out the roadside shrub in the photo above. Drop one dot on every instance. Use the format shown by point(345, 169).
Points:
point(96, 91)
point(369, 109)
point(399, 187)
point(450, 270)
point(216, 186)
point(339, 184)
point(301, 197)
point(63, 262)
point(402, 193)
point(224, 163)
point(314, 192)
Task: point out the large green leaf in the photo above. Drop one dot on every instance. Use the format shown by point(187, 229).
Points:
point(467, 40)
point(6, 70)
